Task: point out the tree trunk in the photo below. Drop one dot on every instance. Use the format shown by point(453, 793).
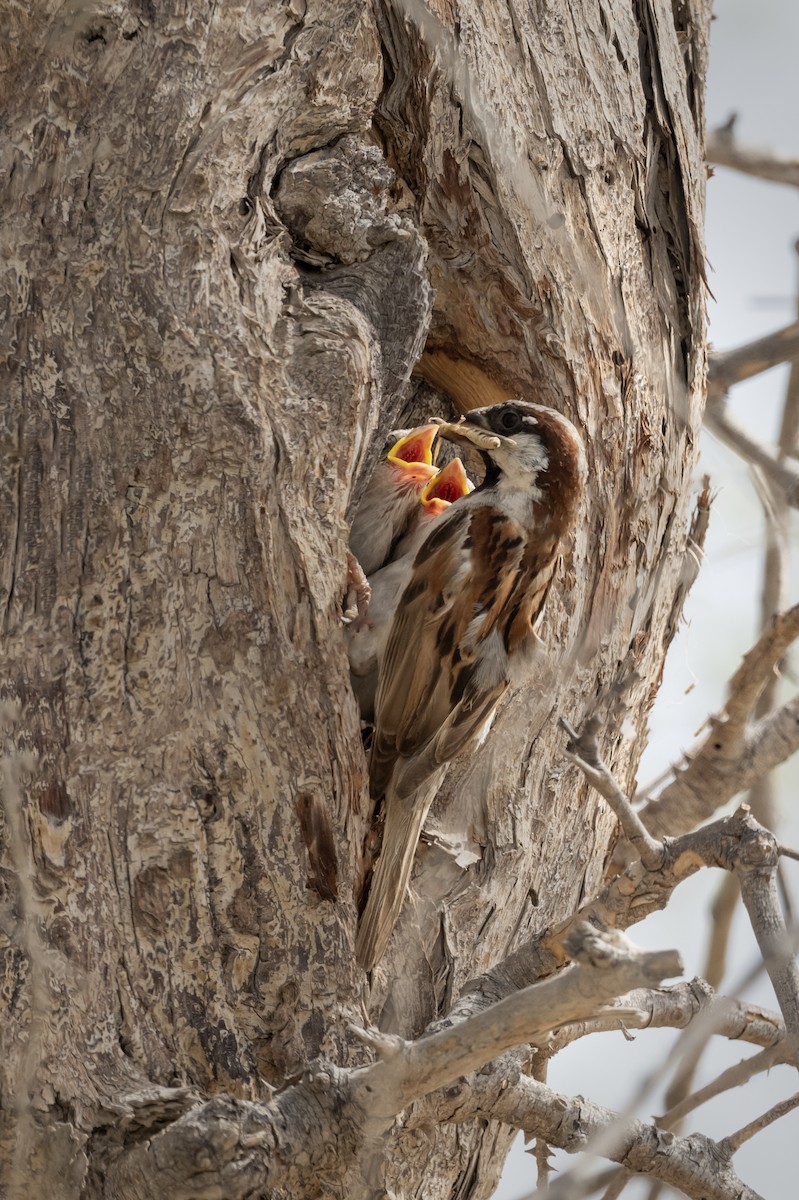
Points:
point(231, 235)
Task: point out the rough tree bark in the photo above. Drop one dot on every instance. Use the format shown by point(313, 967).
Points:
point(231, 234)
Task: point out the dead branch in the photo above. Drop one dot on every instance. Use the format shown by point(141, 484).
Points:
point(728, 367)
point(756, 868)
point(583, 750)
point(236, 1148)
point(736, 1140)
point(603, 963)
point(737, 750)
point(723, 149)
point(755, 858)
point(733, 1077)
point(626, 899)
point(735, 436)
point(691, 1164)
point(676, 1008)
point(722, 912)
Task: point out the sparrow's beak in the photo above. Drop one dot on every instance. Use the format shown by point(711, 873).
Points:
point(415, 447)
point(448, 485)
point(477, 420)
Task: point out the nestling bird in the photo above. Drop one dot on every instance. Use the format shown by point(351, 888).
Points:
point(392, 495)
point(463, 631)
point(366, 636)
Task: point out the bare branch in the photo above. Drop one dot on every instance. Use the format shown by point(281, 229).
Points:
point(736, 1140)
point(722, 912)
point(736, 751)
point(625, 900)
point(691, 1164)
point(728, 367)
point(722, 149)
point(734, 436)
point(675, 1008)
point(604, 968)
point(582, 750)
point(756, 868)
point(733, 1077)
point(236, 1148)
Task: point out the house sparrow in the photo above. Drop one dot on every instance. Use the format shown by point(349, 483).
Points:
point(392, 495)
point(366, 636)
point(463, 631)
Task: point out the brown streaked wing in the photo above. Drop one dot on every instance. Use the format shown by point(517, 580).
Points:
point(532, 587)
point(426, 649)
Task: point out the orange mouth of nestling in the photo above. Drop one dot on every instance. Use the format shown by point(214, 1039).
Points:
point(415, 447)
point(448, 485)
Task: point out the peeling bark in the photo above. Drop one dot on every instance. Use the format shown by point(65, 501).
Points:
point(229, 236)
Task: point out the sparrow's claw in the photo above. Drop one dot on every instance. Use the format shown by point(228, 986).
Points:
point(467, 435)
point(358, 594)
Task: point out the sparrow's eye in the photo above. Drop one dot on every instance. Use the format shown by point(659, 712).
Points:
point(510, 421)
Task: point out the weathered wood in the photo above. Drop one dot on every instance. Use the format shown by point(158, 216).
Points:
point(229, 234)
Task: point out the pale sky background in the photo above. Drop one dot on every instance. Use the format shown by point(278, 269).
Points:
point(750, 233)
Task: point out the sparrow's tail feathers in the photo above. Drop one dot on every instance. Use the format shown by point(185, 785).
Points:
point(404, 820)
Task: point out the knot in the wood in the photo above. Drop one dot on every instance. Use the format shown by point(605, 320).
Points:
point(701, 990)
point(599, 947)
point(757, 849)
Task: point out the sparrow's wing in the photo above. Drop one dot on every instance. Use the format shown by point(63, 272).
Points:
point(446, 663)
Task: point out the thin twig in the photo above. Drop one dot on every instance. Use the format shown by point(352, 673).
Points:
point(723, 149)
point(735, 436)
point(728, 367)
point(736, 750)
point(735, 1140)
point(722, 913)
point(733, 1077)
point(582, 749)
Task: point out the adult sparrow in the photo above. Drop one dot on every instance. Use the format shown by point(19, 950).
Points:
point(366, 636)
point(392, 495)
point(463, 630)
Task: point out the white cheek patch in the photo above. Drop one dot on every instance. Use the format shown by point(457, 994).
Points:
point(528, 458)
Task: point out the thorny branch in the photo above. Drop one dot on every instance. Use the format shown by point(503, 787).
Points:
point(676, 1008)
point(735, 1140)
point(691, 1164)
point(239, 1147)
point(754, 859)
point(733, 1077)
point(345, 1115)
